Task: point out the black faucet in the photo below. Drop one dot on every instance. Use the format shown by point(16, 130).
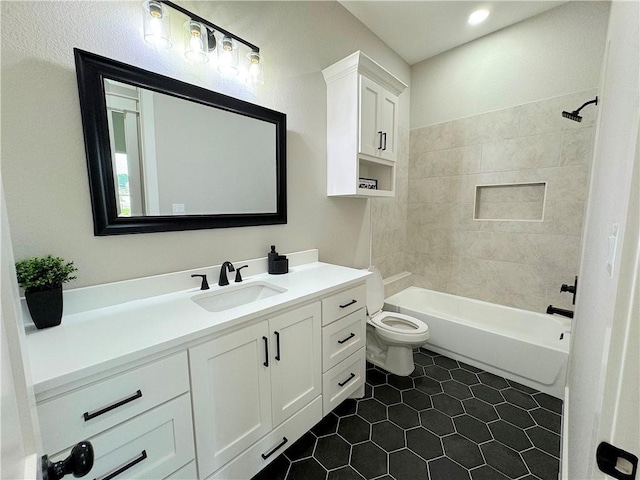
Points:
point(560, 311)
point(238, 275)
point(223, 280)
point(204, 285)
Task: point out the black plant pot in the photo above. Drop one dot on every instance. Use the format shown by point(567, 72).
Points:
point(45, 306)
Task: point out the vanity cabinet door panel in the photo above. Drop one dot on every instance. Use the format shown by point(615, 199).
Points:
point(296, 372)
point(231, 392)
point(370, 129)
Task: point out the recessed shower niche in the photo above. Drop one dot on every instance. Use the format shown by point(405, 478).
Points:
point(522, 202)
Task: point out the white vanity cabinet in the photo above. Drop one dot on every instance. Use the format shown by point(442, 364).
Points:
point(362, 127)
point(168, 390)
point(246, 383)
point(138, 421)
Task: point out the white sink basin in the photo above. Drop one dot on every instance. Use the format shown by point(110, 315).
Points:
point(236, 295)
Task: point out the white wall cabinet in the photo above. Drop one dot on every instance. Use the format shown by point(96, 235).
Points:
point(378, 121)
point(248, 382)
point(362, 127)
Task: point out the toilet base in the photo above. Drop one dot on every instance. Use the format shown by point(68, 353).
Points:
point(393, 359)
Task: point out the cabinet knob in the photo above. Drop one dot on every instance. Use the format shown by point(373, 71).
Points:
point(79, 463)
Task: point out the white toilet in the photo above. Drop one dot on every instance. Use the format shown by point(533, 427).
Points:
point(391, 337)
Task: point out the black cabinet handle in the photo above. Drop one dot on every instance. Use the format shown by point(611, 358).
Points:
point(385, 141)
point(351, 377)
point(349, 303)
point(277, 345)
point(266, 351)
point(125, 467)
point(380, 141)
point(89, 415)
point(346, 339)
point(274, 449)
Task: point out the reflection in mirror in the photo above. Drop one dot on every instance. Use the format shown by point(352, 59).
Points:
point(165, 155)
point(174, 157)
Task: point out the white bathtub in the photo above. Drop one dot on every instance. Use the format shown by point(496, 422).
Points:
point(516, 344)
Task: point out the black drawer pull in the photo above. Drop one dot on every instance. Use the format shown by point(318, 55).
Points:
point(385, 140)
point(277, 345)
point(125, 467)
point(89, 415)
point(274, 449)
point(347, 339)
point(351, 377)
point(349, 303)
point(266, 351)
point(380, 144)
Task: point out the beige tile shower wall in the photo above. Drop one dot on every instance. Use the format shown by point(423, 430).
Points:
point(515, 263)
point(389, 219)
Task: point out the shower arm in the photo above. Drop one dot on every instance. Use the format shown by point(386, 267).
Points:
point(595, 100)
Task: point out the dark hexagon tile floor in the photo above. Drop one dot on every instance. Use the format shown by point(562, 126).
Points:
point(445, 421)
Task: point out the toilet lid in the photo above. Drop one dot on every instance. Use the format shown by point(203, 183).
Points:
point(399, 323)
point(375, 291)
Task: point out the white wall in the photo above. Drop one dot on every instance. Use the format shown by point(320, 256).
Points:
point(43, 160)
point(555, 53)
point(601, 312)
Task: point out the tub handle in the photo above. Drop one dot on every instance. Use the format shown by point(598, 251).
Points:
point(351, 377)
point(348, 303)
point(347, 339)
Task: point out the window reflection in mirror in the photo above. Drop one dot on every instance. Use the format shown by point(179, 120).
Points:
point(175, 157)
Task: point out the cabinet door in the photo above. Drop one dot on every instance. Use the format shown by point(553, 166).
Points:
point(231, 393)
point(389, 125)
point(370, 129)
point(296, 373)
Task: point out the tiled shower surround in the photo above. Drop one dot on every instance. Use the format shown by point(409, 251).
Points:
point(514, 263)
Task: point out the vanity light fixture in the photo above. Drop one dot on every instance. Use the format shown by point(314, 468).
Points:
point(197, 41)
point(228, 56)
point(254, 75)
point(157, 24)
point(478, 16)
point(200, 39)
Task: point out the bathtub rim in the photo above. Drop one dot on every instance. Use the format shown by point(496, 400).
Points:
point(566, 323)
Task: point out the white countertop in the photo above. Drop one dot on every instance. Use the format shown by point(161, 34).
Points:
point(90, 342)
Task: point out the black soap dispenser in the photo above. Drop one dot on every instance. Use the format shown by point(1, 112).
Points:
point(277, 264)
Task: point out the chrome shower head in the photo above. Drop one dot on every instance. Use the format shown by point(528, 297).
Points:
point(575, 114)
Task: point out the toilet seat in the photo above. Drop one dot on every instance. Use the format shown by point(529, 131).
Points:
point(399, 327)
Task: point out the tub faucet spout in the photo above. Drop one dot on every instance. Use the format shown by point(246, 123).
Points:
point(551, 310)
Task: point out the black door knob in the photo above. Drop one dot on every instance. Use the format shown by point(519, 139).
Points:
point(79, 463)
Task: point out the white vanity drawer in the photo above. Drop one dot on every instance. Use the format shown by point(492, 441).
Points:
point(188, 472)
point(89, 410)
point(342, 380)
point(343, 303)
point(152, 445)
point(342, 338)
point(250, 462)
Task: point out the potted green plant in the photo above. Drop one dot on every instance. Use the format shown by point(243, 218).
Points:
point(42, 279)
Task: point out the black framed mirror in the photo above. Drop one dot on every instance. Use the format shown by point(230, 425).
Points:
point(164, 155)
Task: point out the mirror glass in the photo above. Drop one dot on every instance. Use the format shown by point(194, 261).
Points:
point(175, 157)
point(166, 155)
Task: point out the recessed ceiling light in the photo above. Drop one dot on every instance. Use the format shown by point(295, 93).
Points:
point(478, 16)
